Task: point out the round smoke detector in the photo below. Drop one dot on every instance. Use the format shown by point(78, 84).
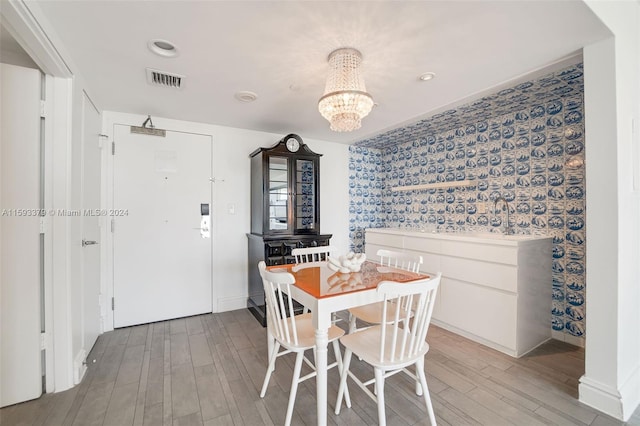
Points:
point(246, 96)
point(163, 48)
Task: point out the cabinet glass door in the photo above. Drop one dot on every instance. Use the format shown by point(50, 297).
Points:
point(305, 195)
point(278, 193)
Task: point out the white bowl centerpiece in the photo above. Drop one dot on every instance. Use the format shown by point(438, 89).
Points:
point(345, 264)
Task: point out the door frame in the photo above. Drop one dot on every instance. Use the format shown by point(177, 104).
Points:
point(109, 121)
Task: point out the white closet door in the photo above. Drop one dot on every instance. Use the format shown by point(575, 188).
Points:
point(90, 224)
point(20, 365)
point(162, 263)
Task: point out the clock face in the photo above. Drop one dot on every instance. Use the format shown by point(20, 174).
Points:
point(292, 144)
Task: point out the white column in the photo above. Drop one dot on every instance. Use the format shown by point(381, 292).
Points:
point(611, 382)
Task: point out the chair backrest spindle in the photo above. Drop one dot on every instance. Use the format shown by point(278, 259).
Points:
point(279, 304)
point(408, 331)
point(407, 261)
point(311, 254)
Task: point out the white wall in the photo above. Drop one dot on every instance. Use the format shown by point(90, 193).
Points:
point(611, 382)
point(231, 170)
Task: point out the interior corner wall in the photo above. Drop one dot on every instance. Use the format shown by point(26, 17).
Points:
point(611, 382)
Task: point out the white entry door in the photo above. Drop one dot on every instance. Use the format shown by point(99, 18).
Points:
point(162, 260)
point(90, 223)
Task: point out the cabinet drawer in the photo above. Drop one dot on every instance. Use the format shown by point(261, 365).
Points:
point(484, 312)
point(502, 277)
point(275, 261)
point(485, 252)
point(287, 247)
point(273, 249)
point(422, 245)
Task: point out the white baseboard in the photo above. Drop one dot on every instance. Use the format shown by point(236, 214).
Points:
point(630, 391)
point(231, 304)
point(79, 366)
point(619, 403)
point(600, 396)
point(473, 337)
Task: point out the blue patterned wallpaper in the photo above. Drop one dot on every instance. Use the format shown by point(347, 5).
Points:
point(524, 143)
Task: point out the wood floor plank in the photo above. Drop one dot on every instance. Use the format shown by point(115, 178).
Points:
point(107, 368)
point(94, 406)
point(131, 365)
point(184, 392)
point(565, 404)
point(210, 393)
point(507, 411)
point(153, 415)
point(491, 386)
point(199, 347)
point(557, 418)
point(180, 352)
point(155, 382)
point(474, 409)
point(220, 421)
point(177, 326)
point(157, 345)
point(120, 336)
point(167, 412)
point(142, 388)
point(194, 325)
point(138, 335)
point(122, 405)
point(194, 419)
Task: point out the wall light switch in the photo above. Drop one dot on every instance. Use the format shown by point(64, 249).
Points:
point(482, 207)
point(231, 208)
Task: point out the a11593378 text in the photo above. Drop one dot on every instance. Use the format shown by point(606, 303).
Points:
point(63, 212)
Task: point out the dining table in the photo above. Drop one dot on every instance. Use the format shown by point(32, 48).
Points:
point(325, 291)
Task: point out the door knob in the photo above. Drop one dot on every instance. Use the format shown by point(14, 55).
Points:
point(88, 243)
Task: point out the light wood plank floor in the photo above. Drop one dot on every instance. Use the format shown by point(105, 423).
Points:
point(208, 370)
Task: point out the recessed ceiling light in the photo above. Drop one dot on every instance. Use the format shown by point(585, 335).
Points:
point(163, 48)
point(427, 76)
point(246, 96)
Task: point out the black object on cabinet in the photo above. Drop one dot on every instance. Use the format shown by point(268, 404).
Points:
point(285, 209)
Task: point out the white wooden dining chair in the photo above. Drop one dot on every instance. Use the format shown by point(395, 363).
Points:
point(311, 254)
point(371, 313)
point(293, 333)
point(395, 344)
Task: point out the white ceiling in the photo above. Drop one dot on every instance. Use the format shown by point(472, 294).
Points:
point(279, 49)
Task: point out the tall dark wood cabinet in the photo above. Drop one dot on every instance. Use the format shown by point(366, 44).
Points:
point(285, 209)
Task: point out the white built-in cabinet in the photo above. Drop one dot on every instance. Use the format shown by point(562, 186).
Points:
point(495, 289)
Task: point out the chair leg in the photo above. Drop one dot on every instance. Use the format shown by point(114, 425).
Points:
point(425, 389)
point(270, 368)
point(352, 323)
point(343, 379)
point(336, 351)
point(382, 418)
point(418, 387)
point(294, 387)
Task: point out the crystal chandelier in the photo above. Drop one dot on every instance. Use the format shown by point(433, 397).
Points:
point(345, 101)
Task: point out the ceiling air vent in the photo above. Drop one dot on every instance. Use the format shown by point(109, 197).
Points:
point(165, 79)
